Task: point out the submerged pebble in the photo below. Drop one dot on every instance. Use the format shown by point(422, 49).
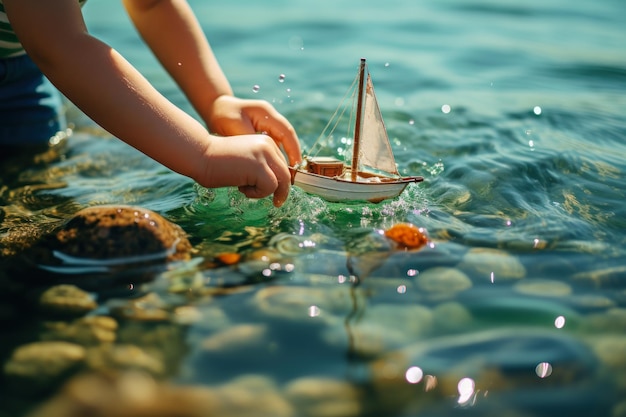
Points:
point(610, 321)
point(66, 299)
point(294, 302)
point(451, 316)
point(125, 357)
point(324, 397)
point(85, 331)
point(606, 277)
point(147, 308)
point(400, 324)
point(492, 265)
point(442, 282)
point(407, 235)
point(127, 394)
point(251, 395)
point(543, 287)
point(40, 365)
point(228, 258)
point(239, 338)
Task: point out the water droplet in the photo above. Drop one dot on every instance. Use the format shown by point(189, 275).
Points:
point(445, 108)
point(255, 88)
point(281, 78)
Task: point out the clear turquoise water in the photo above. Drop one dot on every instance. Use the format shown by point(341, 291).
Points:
point(523, 196)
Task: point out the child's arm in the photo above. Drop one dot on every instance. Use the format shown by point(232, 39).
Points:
point(117, 97)
point(172, 31)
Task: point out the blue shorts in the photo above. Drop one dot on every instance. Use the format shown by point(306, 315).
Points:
point(30, 106)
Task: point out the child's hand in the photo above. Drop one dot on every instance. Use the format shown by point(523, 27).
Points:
point(231, 116)
point(251, 162)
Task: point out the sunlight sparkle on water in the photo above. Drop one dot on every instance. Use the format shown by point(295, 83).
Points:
point(307, 244)
point(559, 323)
point(414, 374)
point(446, 108)
point(466, 390)
point(537, 110)
point(543, 370)
point(314, 311)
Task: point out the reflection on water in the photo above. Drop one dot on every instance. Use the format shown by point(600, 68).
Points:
point(516, 306)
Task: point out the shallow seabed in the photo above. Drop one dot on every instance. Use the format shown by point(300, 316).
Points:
point(514, 114)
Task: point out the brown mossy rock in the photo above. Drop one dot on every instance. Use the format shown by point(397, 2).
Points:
point(105, 232)
point(100, 238)
point(108, 249)
point(118, 236)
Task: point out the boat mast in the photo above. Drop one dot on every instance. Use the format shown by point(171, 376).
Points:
point(358, 125)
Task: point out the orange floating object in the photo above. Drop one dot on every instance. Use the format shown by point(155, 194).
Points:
point(407, 235)
point(228, 258)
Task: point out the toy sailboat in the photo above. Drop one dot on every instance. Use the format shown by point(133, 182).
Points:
point(372, 174)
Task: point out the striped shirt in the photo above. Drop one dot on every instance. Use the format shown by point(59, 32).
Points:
point(9, 44)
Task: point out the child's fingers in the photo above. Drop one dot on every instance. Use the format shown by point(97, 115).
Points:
point(279, 129)
point(271, 177)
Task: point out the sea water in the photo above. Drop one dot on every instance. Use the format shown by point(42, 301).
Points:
point(513, 112)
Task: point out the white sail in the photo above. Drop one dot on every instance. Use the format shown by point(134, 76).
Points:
point(374, 150)
point(371, 175)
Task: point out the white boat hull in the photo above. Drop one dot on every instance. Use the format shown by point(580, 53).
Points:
point(339, 190)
